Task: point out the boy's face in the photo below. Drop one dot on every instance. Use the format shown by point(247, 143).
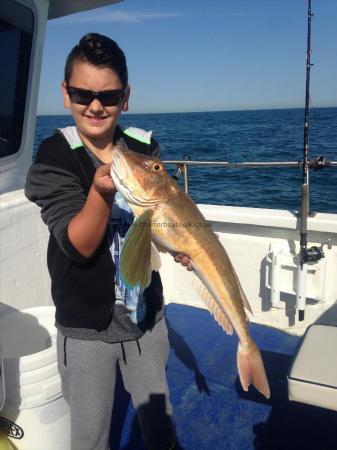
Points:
point(95, 121)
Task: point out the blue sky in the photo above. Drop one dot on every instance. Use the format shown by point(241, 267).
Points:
point(206, 55)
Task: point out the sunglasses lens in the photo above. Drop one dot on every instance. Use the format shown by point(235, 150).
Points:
point(110, 98)
point(80, 96)
point(84, 97)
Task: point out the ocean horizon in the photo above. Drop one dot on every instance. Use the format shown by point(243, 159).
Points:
point(205, 111)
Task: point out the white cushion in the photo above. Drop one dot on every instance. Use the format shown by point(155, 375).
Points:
point(312, 377)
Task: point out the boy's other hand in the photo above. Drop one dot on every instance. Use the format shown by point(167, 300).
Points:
point(184, 260)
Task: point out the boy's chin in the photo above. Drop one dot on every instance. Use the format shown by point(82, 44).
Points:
point(99, 129)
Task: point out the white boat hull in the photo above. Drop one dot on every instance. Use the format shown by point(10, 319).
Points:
point(262, 244)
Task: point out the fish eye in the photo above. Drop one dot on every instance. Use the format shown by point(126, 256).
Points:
point(156, 167)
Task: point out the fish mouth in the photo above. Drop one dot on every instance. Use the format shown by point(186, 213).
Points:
point(121, 174)
point(123, 171)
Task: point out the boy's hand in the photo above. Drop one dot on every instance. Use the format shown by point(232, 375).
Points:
point(102, 180)
point(184, 260)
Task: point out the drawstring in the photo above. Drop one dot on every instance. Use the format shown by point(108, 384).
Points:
point(123, 353)
point(123, 350)
point(65, 351)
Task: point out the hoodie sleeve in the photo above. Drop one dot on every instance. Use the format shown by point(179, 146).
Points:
point(59, 194)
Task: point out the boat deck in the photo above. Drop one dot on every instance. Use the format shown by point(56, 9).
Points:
point(210, 408)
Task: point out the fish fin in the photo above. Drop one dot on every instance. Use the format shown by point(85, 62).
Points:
point(135, 259)
point(155, 258)
point(251, 370)
point(243, 295)
point(219, 315)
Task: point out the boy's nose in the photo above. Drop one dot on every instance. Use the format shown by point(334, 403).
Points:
point(96, 105)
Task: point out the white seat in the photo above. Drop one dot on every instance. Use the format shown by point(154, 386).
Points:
point(312, 378)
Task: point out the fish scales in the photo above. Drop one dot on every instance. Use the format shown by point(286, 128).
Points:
point(209, 259)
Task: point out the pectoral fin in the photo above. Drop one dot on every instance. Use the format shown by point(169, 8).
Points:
point(135, 260)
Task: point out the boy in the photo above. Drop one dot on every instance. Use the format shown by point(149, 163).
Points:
point(99, 321)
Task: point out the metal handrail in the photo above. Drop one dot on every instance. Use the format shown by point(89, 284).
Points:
point(243, 164)
point(183, 165)
point(236, 164)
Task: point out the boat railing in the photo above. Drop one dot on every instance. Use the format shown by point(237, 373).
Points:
point(183, 165)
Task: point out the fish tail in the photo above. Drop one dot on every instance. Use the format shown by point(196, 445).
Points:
point(251, 369)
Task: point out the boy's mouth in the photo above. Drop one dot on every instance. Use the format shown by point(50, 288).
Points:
point(96, 119)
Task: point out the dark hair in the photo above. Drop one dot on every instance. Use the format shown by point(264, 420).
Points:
point(98, 50)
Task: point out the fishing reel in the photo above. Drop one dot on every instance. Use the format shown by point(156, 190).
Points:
point(179, 171)
point(307, 255)
point(315, 253)
point(319, 162)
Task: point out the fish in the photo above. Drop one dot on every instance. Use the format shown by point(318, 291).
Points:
point(5, 443)
point(167, 220)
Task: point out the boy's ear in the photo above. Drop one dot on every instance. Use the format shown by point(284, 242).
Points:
point(66, 99)
point(125, 104)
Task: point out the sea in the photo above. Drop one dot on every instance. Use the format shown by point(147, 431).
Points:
point(239, 136)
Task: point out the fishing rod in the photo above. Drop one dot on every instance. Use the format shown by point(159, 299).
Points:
point(314, 253)
point(303, 256)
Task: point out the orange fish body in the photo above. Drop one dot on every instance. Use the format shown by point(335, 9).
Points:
point(169, 219)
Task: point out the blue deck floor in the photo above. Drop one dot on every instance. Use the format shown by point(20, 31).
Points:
point(211, 410)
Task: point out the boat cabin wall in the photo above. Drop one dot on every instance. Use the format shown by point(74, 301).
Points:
point(23, 275)
point(22, 36)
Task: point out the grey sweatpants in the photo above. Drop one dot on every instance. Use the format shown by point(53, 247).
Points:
point(88, 375)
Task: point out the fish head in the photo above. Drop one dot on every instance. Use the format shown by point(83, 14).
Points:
point(142, 180)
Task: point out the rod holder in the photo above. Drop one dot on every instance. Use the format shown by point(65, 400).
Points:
point(301, 289)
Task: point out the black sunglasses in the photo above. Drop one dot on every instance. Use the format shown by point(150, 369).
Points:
point(85, 97)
